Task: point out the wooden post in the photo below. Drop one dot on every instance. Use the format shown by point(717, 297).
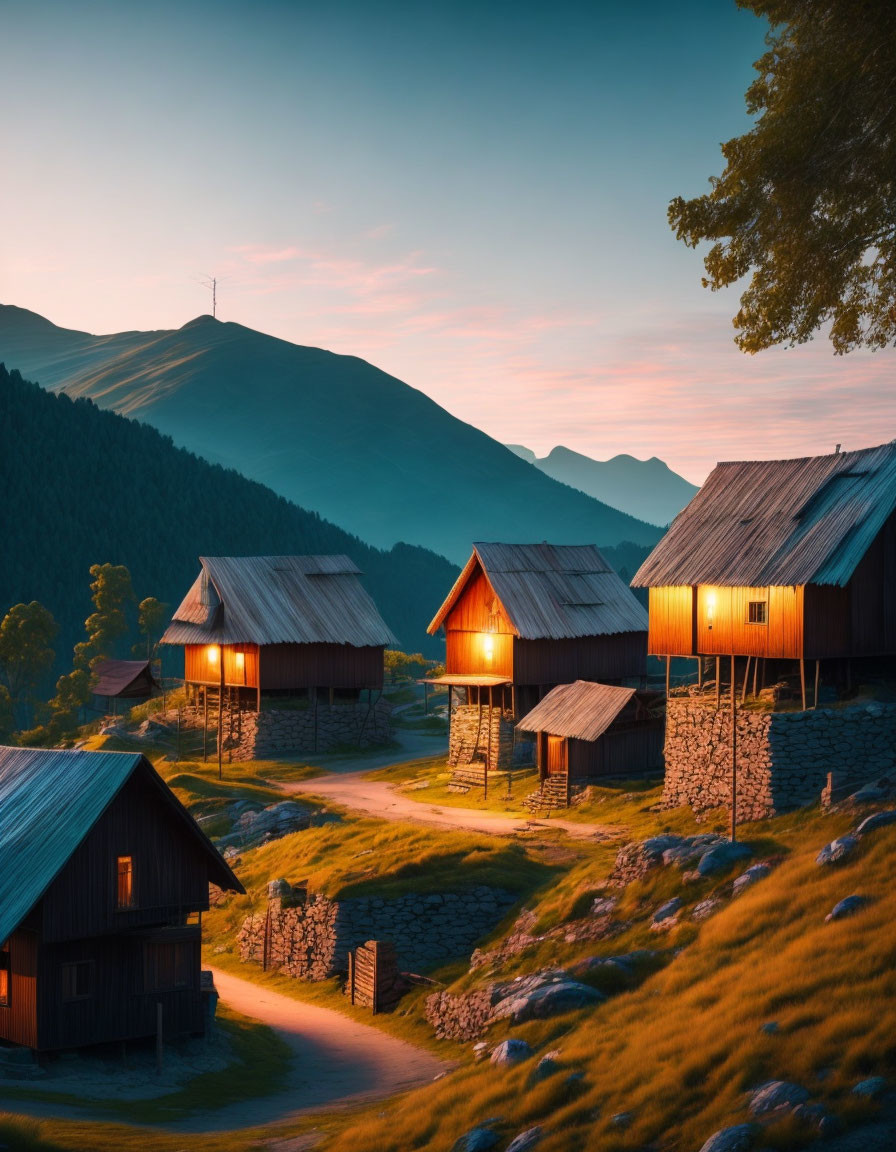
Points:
point(178, 733)
point(803, 681)
point(699, 671)
point(817, 679)
point(491, 714)
point(513, 700)
point(743, 694)
point(220, 711)
point(376, 979)
point(258, 679)
point(351, 977)
point(159, 1050)
point(205, 723)
point(755, 675)
point(718, 681)
point(668, 670)
point(733, 755)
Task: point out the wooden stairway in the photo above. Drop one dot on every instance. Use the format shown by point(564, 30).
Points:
point(553, 794)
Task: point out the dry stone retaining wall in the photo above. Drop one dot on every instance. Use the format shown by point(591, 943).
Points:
point(469, 738)
point(783, 758)
point(312, 942)
point(251, 735)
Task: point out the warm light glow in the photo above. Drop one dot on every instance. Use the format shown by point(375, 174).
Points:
point(240, 658)
point(213, 652)
point(488, 646)
point(710, 608)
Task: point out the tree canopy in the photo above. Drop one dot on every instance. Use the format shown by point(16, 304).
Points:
point(27, 632)
point(806, 204)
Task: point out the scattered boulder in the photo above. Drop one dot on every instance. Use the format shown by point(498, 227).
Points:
point(548, 994)
point(837, 850)
point(525, 1140)
point(667, 911)
point(622, 1119)
point(478, 1139)
point(872, 1088)
point(736, 1139)
point(777, 1095)
point(846, 907)
point(816, 1116)
point(870, 793)
point(604, 905)
point(722, 856)
point(691, 848)
point(748, 879)
point(706, 908)
point(511, 1052)
point(877, 820)
point(547, 1065)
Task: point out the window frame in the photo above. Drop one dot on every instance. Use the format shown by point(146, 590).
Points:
point(132, 887)
point(181, 959)
point(76, 996)
point(5, 975)
point(763, 604)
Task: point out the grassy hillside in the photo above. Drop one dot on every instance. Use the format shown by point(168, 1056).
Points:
point(83, 486)
point(328, 432)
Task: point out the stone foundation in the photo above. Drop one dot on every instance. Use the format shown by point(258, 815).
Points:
point(489, 740)
point(312, 941)
point(250, 735)
point(783, 758)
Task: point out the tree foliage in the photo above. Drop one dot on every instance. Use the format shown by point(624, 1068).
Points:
point(111, 592)
point(806, 204)
point(27, 632)
point(152, 616)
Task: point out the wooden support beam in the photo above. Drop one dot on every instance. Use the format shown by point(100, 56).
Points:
point(755, 675)
point(718, 681)
point(220, 711)
point(204, 724)
point(668, 673)
point(817, 680)
point(733, 754)
point(258, 679)
point(803, 681)
point(699, 671)
point(743, 694)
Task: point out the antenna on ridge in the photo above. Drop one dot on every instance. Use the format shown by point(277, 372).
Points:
point(211, 282)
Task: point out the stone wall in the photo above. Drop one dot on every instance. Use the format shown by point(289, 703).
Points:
point(783, 758)
point(469, 738)
point(312, 942)
point(250, 735)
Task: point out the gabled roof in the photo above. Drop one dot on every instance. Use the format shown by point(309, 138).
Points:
point(781, 522)
point(552, 591)
point(50, 799)
point(579, 711)
point(278, 600)
point(115, 677)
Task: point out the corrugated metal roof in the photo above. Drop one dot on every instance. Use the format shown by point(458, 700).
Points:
point(49, 801)
point(115, 676)
point(278, 600)
point(579, 711)
point(781, 522)
point(552, 591)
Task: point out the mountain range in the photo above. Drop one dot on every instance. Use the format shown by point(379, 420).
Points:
point(646, 489)
point(329, 432)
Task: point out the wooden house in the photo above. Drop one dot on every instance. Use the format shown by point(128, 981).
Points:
point(279, 625)
point(780, 561)
point(522, 618)
point(103, 879)
point(123, 680)
point(586, 731)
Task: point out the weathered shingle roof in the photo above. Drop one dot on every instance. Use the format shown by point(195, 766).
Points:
point(552, 591)
point(49, 801)
point(115, 677)
point(781, 522)
point(580, 711)
point(278, 600)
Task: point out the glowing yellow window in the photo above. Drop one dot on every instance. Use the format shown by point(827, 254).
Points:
point(125, 882)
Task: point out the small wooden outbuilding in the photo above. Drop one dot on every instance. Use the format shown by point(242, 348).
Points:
point(103, 879)
point(124, 680)
point(585, 731)
point(780, 560)
point(280, 625)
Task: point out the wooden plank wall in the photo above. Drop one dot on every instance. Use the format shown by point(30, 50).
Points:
point(780, 638)
point(288, 666)
point(873, 597)
point(199, 669)
point(671, 628)
point(465, 655)
point(603, 658)
point(18, 1019)
point(478, 608)
point(623, 751)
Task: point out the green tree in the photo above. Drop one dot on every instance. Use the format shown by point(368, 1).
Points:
point(151, 617)
point(7, 716)
point(26, 656)
point(806, 204)
point(112, 593)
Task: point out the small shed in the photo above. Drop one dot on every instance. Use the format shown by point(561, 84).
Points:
point(124, 680)
point(585, 731)
point(103, 879)
point(281, 625)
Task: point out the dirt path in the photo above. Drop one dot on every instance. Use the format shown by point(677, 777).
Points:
point(336, 1062)
point(377, 798)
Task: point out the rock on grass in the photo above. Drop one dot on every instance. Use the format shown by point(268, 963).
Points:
point(525, 1140)
point(511, 1052)
point(722, 856)
point(775, 1095)
point(837, 850)
point(736, 1139)
point(846, 907)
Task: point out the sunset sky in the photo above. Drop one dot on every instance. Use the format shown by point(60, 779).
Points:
point(471, 195)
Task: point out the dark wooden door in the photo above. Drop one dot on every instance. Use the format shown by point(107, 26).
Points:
point(557, 763)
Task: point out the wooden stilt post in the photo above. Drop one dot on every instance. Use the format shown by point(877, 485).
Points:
point(668, 671)
point(258, 678)
point(743, 694)
point(220, 711)
point(205, 723)
point(718, 681)
point(755, 675)
point(491, 713)
point(733, 754)
point(817, 679)
point(699, 671)
point(803, 681)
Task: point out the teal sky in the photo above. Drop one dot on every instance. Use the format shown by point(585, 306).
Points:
point(470, 195)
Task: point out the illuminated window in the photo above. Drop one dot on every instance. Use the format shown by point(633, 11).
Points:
point(240, 658)
point(757, 612)
point(76, 980)
point(125, 882)
point(4, 975)
point(488, 646)
point(213, 652)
